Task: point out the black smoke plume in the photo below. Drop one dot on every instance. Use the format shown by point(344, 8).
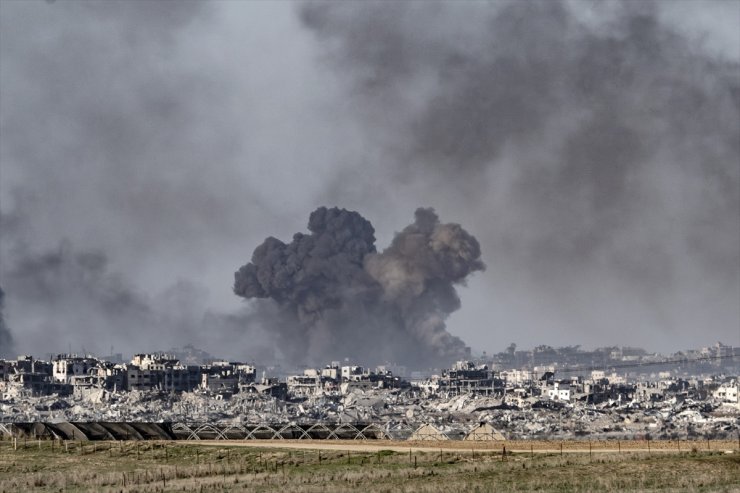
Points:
point(338, 297)
point(595, 147)
point(6, 338)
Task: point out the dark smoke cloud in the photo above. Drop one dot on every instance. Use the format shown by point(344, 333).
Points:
point(338, 297)
point(595, 148)
point(6, 338)
point(69, 297)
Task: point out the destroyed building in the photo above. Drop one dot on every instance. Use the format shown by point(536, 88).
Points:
point(225, 378)
point(68, 374)
point(341, 380)
point(160, 372)
point(464, 377)
point(643, 399)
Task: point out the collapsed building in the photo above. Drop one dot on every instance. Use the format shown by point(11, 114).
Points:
point(464, 377)
point(334, 379)
point(226, 399)
point(70, 374)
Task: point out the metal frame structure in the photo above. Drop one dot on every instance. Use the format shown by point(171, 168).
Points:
point(204, 431)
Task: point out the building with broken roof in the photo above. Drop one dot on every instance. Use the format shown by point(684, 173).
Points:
point(67, 367)
point(159, 371)
point(464, 377)
point(335, 379)
point(226, 378)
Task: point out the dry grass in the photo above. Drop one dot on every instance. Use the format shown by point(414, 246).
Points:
point(159, 467)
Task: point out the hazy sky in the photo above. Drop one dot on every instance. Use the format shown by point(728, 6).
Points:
point(593, 149)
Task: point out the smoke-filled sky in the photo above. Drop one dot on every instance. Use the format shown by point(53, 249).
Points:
point(147, 149)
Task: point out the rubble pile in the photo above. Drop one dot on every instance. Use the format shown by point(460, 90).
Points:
point(523, 403)
point(399, 413)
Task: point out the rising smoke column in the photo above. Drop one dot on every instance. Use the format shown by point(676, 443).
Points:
point(594, 146)
point(6, 339)
point(418, 273)
point(337, 297)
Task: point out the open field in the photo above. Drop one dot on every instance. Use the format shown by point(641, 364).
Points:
point(320, 466)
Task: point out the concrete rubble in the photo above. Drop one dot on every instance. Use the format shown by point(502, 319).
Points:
point(515, 404)
point(399, 413)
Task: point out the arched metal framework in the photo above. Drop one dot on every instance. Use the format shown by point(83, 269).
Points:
point(202, 431)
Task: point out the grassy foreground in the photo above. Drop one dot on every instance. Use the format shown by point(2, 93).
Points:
point(159, 467)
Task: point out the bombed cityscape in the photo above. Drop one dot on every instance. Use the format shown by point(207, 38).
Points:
point(553, 393)
point(331, 292)
point(371, 246)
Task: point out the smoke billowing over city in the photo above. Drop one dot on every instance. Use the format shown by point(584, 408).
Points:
point(592, 148)
point(339, 297)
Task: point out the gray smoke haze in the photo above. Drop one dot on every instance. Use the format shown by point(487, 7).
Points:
point(338, 297)
point(6, 339)
point(72, 297)
point(64, 289)
point(123, 135)
point(596, 148)
point(591, 146)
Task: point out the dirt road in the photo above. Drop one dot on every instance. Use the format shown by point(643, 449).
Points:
point(547, 447)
